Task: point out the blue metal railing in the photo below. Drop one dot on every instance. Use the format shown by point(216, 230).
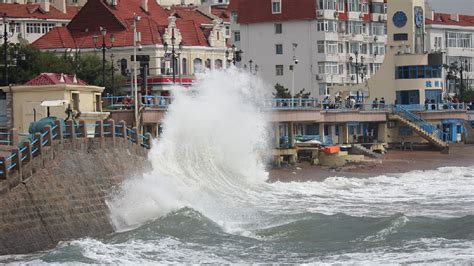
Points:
point(420, 122)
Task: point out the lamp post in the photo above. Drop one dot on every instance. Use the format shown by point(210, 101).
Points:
point(104, 48)
point(360, 67)
point(136, 18)
point(452, 73)
point(236, 54)
point(112, 70)
point(292, 68)
point(8, 31)
point(173, 53)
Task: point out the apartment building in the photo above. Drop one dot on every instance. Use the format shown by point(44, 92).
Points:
point(312, 44)
point(453, 36)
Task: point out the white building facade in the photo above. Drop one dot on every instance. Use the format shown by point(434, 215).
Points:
point(323, 36)
point(453, 35)
point(31, 21)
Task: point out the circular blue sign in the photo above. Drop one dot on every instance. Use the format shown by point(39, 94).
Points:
point(399, 19)
point(419, 18)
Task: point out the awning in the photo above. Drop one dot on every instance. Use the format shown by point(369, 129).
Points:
point(54, 103)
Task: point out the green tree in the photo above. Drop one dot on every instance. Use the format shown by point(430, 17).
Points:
point(87, 67)
point(302, 94)
point(281, 92)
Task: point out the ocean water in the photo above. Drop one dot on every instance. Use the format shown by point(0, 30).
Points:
point(206, 200)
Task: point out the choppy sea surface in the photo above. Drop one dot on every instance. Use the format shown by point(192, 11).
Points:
point(207, 200)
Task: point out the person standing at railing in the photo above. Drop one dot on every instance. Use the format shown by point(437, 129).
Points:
point(382, 103)
point(375, 103)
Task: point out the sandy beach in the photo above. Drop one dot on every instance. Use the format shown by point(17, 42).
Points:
point(394, 161)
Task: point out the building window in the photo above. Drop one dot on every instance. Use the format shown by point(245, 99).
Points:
point(377, 28)
point(33, 27)
point(327, 4)
point(218, 64)
point(237, 36)
point(46, 27)
point(184, 65)
point(438, 42)
point(321, 47)
point(279, 48)
point(276, 6)
point(340, 5)
point(208, 63)
point(233, 15)
point(97, 103)
point(227, 31)
point(279, 70)
point(460, 40)
point(278, 28)
point(327, 25)
point(331, 68)
point(123, 67)
point(75, 101)
point(197, 63)
point(418, 72)
point(354, 27)
point(354, 5)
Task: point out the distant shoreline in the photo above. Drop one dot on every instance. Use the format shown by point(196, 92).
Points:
point(393, 162)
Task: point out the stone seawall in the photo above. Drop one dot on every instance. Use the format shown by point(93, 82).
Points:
point(61, 193)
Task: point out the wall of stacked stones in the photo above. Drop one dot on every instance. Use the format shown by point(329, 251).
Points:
point(61, 193)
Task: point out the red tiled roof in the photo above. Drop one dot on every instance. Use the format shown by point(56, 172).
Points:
point(54, 79)
point(222, 13)
point(445, 19)
point(34, 11)
point(118, 20)
point(189, 14)
point(258, 11)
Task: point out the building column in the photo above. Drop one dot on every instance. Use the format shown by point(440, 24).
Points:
point(291, 134)
point(321, 132)
point(345, 133)
point(382, 132)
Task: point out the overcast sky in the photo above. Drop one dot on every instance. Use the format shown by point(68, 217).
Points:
point(465, 7)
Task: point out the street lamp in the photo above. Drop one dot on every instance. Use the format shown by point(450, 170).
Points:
point(8, 31)
point(253, 70)
point(173, 53)
point(292, 68)
point(103, 47)
point(360, 67)
point(452, 73)
point(136, 18)
point(112, 70)
point(236, 54)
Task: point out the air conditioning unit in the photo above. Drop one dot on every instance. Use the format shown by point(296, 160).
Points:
point(319, 77)
point(336, 14)
point(113, 3)
point(361, 15)
point(320, 13)
point(381, 19)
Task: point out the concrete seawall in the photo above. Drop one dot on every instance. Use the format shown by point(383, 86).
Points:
point(60, 194)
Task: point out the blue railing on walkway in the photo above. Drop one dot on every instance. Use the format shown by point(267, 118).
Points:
point(420, 122)
point(28, 150)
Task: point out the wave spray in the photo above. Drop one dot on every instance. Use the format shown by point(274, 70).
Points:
point(209, 157)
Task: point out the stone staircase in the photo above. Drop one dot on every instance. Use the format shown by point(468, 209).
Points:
point(359, 149)
point(420, 126)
